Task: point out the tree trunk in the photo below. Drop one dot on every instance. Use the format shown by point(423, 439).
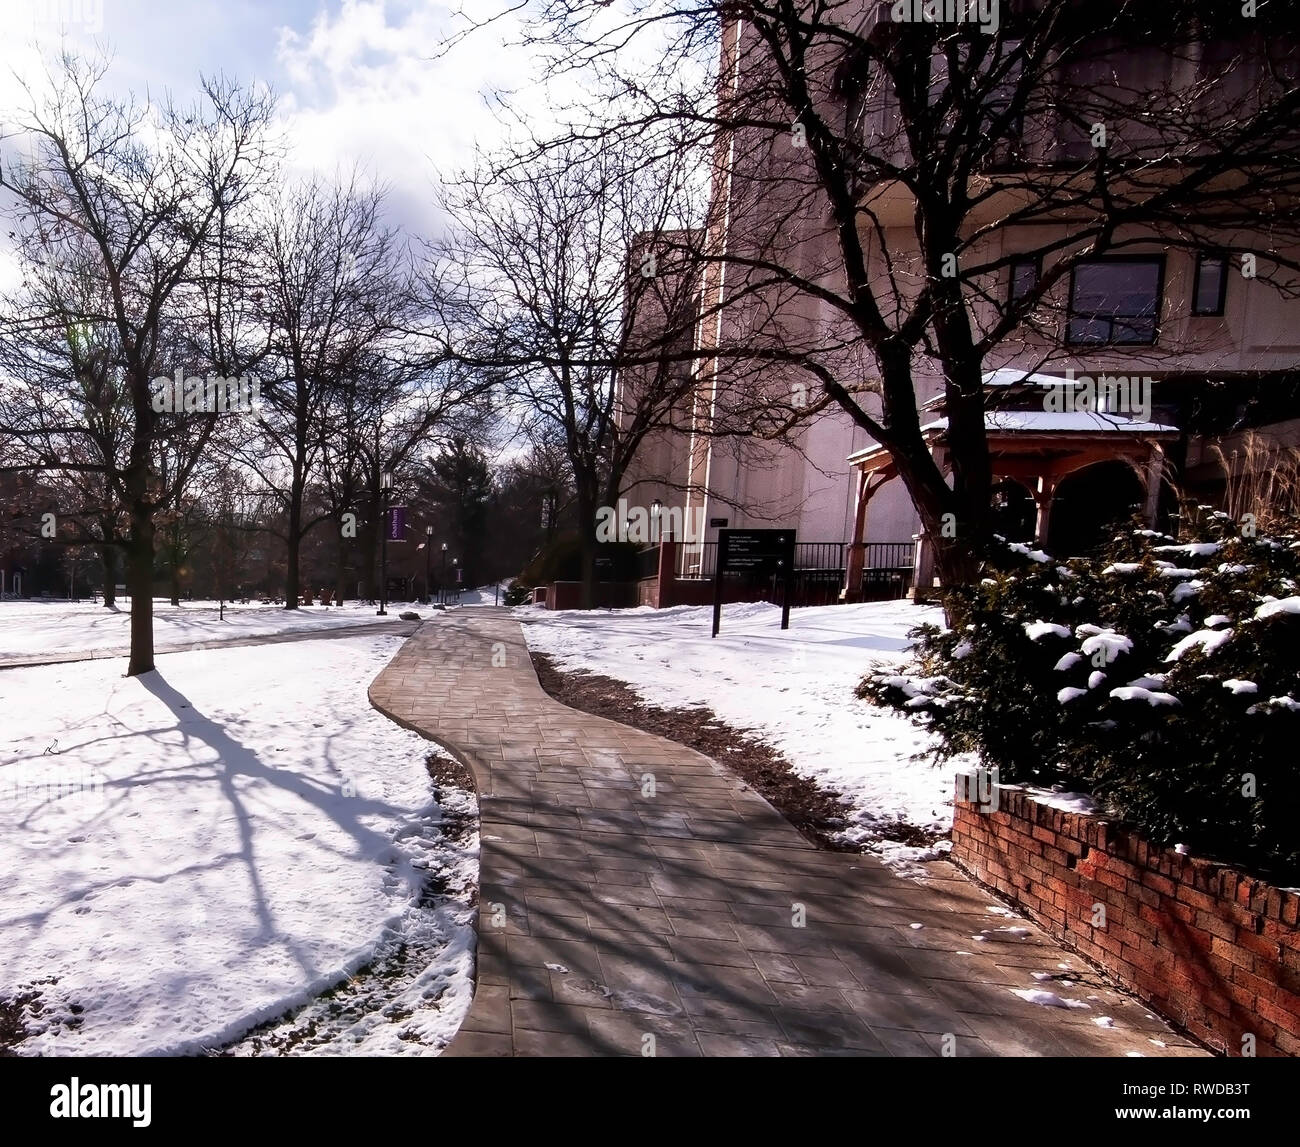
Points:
point(139, 578)
point(292, 576)
point(588, 573)
point(341, 570)
point(370, 539)
point(140, 544)
point(108, 564)
point(174, 566)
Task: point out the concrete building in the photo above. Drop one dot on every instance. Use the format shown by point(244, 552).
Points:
point(1213, 338)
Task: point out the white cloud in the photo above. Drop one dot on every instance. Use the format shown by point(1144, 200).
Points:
point(377, 85)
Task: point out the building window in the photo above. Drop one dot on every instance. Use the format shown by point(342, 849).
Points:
point(1210, 289)
point(1007, 132)
point(1024, 277)
point(990, 79)
point(1116, 301)
point(852, 83)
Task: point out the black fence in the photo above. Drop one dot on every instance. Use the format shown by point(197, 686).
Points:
point(647, 563)
point(820, 570)
point(697, 561)
point(886, 571)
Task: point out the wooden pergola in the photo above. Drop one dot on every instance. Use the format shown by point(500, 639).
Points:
point(1035, 448)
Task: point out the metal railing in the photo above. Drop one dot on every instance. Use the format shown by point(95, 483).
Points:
point(819, 556)
point(886, 571)
point(647, 563)
point(820, 571)
point(697, 561)
point(889, 555)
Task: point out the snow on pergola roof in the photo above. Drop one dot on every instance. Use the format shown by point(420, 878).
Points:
point(1030, 422)
point(1007, 376)
point(1011, 376)
point(1047, 422)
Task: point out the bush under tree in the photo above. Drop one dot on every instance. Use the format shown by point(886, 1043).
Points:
point(1163, 678)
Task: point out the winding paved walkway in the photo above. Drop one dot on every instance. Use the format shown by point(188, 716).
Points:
point(616, 912)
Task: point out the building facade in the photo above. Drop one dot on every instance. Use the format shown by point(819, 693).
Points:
point(1182, 338)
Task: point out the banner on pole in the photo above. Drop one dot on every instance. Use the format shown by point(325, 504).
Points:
point(397, 523)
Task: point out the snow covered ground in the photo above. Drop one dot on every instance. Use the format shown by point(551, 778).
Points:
point(794, 689)
point(193, 851)
point(35, 628)
point(30, 628)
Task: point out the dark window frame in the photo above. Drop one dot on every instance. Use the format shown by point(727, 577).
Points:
point(1203, 257)
point(1017, 262)
point(1072, 315)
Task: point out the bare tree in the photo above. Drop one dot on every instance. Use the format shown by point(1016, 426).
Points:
point(877, 174)
point(568, 278)
point(136, 189)
point(62, 404)
point(335, 298)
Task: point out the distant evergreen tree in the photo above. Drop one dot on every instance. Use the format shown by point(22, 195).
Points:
point(460, 487)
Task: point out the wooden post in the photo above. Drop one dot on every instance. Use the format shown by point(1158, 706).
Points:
point(922, 568)
point(857, 555)
point(1154, 474)
point(1044, 492)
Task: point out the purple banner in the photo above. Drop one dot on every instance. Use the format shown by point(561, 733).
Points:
point(397, 523)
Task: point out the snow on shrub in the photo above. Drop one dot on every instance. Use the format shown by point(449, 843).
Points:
point(1166, 688)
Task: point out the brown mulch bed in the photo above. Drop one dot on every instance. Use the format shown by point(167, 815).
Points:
point(27, 1003)
point(12, 1028)
point(819, 815)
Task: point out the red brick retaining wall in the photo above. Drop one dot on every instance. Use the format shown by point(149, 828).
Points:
point(1213, 949)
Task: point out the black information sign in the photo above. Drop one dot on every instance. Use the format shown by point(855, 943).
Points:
point(756, 552)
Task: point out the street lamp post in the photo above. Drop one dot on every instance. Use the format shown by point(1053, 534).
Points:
point(656, 508)
point(442, 587)
point(428, 565)
point(385, 493)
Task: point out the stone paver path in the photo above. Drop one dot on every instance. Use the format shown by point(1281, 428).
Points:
point(636, 895)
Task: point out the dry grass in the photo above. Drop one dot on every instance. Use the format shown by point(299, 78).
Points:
point(1261, 478)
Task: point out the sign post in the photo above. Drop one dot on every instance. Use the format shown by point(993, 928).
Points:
point(754, 551)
